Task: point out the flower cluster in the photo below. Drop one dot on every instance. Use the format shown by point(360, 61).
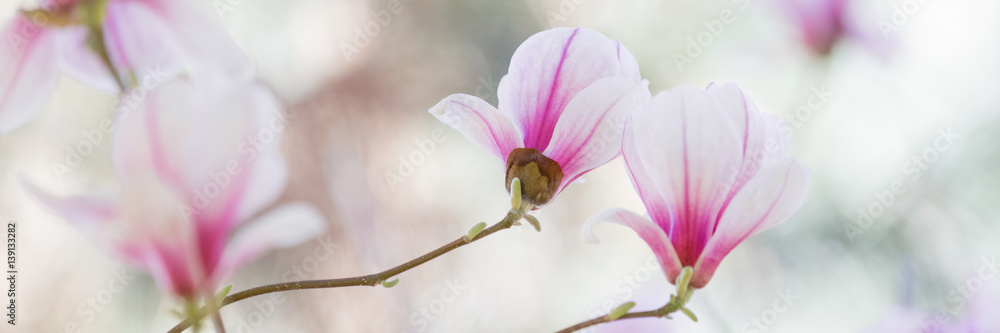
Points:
point(710, 168)
point(192, 190)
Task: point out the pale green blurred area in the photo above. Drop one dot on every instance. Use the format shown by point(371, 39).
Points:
point(355, 121)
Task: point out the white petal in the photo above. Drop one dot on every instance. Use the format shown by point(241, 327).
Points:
point(480, 122)
point(589, 132)
point(770, 197)
point(650, 232)
point(29, 72)
point(285, 226)
point(549, 69)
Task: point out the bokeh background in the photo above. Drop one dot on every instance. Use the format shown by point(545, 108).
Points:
point(359, 120)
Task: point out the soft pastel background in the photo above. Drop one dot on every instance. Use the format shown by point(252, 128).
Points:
point(356, 119)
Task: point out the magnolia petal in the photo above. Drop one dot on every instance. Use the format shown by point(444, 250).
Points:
point(628, 66)
point(79, 62)
point(139, 42)
point(172, 268)
point(29, 72)
point(548, 70)
point(651, 233)
point(769, 198)
point(647, 181)
point(203, 41)
point(87, 212)
point(691, 152)
point(480, 122)
point(589, 132)
point(282, 227)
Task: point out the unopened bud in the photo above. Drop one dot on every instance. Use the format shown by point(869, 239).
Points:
point(540, 176)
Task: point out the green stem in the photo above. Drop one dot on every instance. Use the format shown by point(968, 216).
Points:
point(658, 313)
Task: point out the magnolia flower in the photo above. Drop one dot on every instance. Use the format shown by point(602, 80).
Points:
point(82, 39)
point(823, 23)
point(197, 161)
point(711, 171)
point(562, 106)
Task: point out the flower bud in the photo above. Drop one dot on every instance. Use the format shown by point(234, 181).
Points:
point(540, 176)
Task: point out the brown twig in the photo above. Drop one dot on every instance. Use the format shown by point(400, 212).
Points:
point(365, 280)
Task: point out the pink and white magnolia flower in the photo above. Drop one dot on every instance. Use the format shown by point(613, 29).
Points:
point(822, 23)
point(78, 38)
point(711, 170)
point(562, 106)
point(199, 160)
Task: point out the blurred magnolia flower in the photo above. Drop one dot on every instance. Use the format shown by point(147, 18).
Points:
point(822, 23)
point(711, 171)
point(562, 106)
point(195, 163)
point(135, 39)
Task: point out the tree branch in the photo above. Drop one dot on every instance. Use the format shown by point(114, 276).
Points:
point(366, 280)
point(658, 313)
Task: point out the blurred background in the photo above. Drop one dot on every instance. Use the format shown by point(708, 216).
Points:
point(899, 126)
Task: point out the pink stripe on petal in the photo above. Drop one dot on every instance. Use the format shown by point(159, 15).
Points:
point(139, 41)
point(589, 132)
point(161, 162)
point(86, 212)
point(647, 230)
point(771, 197)
point(690, 150)
point(546, 72)
point(480, 122)
point(29, 72)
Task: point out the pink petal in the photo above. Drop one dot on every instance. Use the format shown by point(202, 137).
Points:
point(765, 140)
point(79, 62)
point(549, 69)
point(770, 197)
point(203, 41)
point(820, 21)
point(216, 143)
point(690, 151)
point(29, 72)
point(172, 268)
point(647, 230)
point(139, 42)
point(86, 212)
point(480, 122)
point(647, 181)
point(589, 132)
point(282, 227)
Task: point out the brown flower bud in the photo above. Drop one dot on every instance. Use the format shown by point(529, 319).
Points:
point(540, 176)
